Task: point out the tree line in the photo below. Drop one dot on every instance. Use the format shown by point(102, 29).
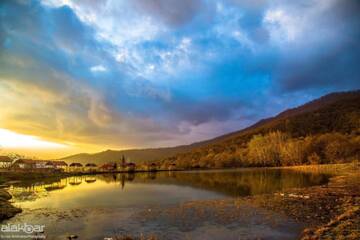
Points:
point(323, 131)
point(275, 148)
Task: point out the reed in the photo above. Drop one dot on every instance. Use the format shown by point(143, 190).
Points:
point(332, 169)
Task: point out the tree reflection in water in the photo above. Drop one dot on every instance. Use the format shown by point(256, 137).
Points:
point(234, 183)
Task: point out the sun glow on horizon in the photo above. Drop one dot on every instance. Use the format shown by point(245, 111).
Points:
point(13, 140)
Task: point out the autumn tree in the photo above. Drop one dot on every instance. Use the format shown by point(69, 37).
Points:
point(266, 150)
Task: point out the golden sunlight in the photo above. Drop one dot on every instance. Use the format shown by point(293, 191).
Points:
point(9, 139)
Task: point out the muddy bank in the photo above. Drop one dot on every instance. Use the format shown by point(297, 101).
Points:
point(330, 211)
point(7, 210)
point(318, 208)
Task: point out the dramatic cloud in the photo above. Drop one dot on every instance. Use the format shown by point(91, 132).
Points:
point(144, 73)
point(172, 12)
point(318, 44)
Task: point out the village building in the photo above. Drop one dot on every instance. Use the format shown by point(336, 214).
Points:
point(61, 165)
point(108, 167)
point(75, 167)
point(90, 167)
point(130, 167)
point(5, 162)
point(33, 164)
point(24, 164)
point(43, 164)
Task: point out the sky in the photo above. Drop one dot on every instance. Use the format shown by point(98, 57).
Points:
point(89, 75)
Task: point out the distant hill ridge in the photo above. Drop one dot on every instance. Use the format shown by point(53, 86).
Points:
point(134, 155)
point(333, 112)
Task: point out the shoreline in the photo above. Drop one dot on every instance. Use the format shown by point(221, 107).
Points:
point(329, 210)
point(10, 176)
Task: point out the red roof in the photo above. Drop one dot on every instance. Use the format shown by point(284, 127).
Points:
point(108, 165)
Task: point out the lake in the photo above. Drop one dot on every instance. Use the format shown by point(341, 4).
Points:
point(172, 205)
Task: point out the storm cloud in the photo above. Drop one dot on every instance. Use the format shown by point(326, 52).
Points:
point(159, 73)
point(172, 12)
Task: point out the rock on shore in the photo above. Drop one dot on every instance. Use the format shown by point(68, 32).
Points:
point(7, 210)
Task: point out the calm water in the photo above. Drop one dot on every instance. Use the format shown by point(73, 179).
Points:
point(94, 207)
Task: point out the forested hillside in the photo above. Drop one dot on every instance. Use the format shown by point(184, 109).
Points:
point(326, 130)
point(308, 133)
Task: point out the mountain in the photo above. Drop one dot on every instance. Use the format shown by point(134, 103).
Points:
point(335, 112)
point(351, 99)
point(134, 155)
point(326, 130)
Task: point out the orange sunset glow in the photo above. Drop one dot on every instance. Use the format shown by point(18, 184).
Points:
point(179, 119)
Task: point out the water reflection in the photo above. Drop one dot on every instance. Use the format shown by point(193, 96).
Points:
point(55, 186)
point(90, 179)
point(238, 182)
point(229, 182)
point(94, 206)
point(76, 180)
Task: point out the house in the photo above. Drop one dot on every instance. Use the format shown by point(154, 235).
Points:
point(33, 164)
point(75, 167)
point(108, 167)
point(130, 167)
point(90, 167)
point(5, 162)
point(61, 165)
point(48, 165)
point(24, 164)
point(43, 164)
